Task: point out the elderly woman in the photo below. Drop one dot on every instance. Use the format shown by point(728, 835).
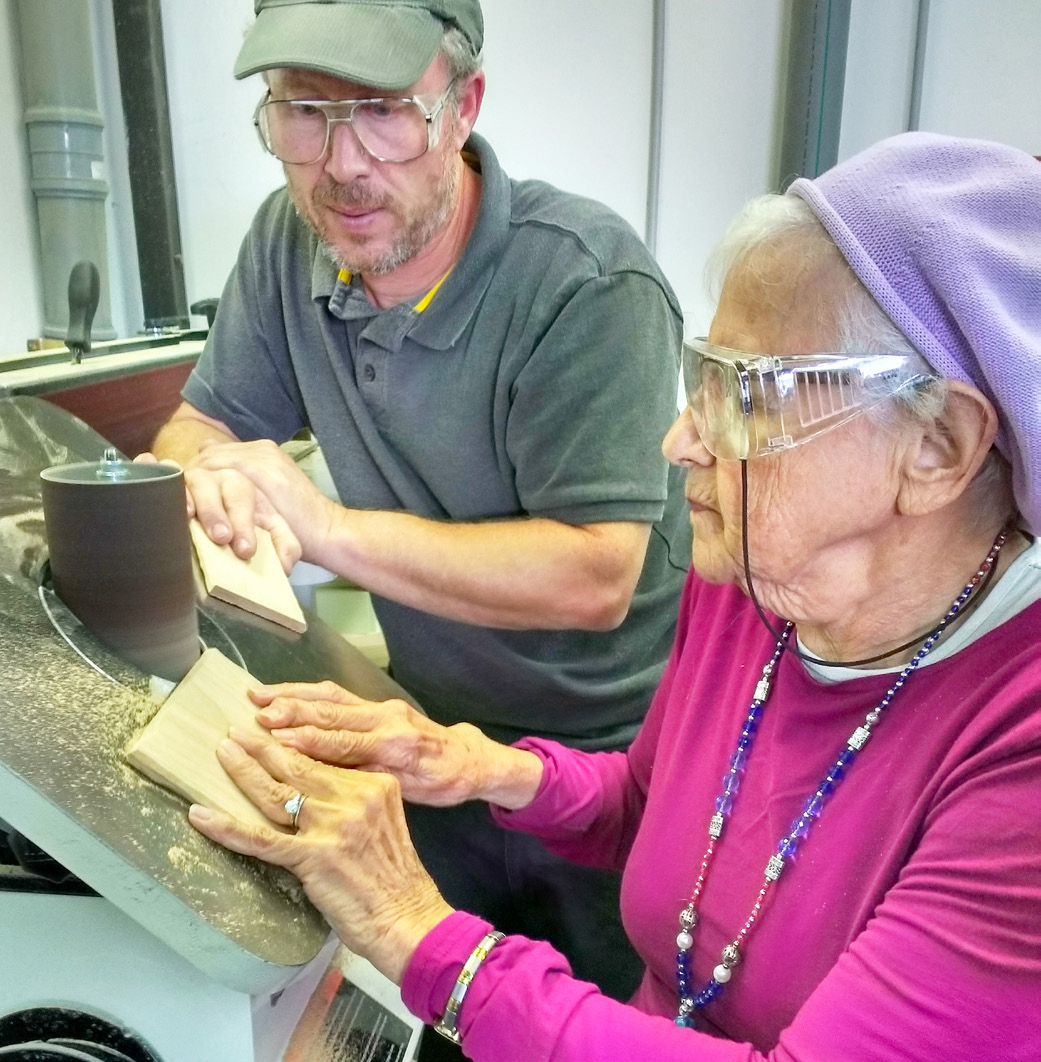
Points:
point(829, 822)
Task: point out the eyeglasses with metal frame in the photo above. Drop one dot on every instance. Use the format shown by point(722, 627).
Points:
point(389, 128)
point(749, 405)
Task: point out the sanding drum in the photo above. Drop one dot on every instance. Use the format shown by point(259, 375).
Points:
point(121, 558)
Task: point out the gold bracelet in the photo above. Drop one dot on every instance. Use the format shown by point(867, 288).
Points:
point(447, 1025)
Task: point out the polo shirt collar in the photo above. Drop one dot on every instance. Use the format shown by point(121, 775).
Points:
point(440, 326)
point(443, 321)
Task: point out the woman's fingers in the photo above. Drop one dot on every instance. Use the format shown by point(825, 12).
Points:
point(289, 771)
point(362, 733)
point(326, 691)
point(268, 793)
point(258, 841)
point(347, 748)
point(340, 711)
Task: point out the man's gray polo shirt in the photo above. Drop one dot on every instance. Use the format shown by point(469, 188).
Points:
point(539, 380)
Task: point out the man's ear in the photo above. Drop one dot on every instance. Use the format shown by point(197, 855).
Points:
point(944, 456)
point(469, 106)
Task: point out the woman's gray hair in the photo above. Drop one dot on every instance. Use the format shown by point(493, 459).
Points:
point(859, 324)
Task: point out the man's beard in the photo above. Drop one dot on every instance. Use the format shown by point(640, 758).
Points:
point(417, 232)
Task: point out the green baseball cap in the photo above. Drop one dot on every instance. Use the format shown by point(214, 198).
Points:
point(384, 43)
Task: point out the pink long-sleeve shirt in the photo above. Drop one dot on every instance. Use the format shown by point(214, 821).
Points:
point(907, 927)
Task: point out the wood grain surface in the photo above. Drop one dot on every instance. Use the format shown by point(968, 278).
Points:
point(258, 585)
point(178, 748)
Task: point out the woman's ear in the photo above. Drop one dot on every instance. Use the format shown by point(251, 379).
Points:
point(945, 454)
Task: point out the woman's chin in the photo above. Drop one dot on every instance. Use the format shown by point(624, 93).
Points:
point(713, 563)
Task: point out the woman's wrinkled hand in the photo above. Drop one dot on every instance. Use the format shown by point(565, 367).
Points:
point(352, 851)
point(436, 765)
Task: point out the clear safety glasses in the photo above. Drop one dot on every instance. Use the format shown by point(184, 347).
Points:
point(748, 405)
point(390, 129)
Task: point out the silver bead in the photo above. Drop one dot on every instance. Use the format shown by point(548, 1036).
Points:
point(721, 974)
point(715, 826)
point(762, 689)
point(731, 956)
point(686, 1006)
point(774, 867)
point(688, 917)
point(684, 941)
point(858, 738)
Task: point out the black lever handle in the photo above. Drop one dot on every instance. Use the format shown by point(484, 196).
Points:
point(84, 292)
point(207, 307)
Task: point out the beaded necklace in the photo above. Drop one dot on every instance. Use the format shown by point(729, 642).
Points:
point(800, 828)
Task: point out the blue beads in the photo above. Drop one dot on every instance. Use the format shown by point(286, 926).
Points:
point(744, 741)
point(755, 713)
point(800, 827)
point(739, 760)
point(724, 802)
point(786, 847)
point(815, 804)
point(846, 757)
point(684, 1021)
point(731, 782)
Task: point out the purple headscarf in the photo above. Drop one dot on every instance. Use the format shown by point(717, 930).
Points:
point(946, 235)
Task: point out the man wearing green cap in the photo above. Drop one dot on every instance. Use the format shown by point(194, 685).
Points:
point(489, 366)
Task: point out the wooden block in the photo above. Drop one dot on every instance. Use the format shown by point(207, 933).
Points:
point(258, 585)
point(178, 748)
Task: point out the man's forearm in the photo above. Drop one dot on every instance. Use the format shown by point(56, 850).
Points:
point(183, 436)
point(519, 573)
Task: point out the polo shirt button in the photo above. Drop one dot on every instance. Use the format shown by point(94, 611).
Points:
point(369, 372)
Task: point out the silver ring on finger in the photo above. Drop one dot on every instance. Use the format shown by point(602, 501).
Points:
point(294, 805)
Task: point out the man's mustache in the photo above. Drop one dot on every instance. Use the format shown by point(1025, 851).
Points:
point(354, 196)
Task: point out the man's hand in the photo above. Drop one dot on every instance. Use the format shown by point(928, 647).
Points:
point(352, 851)
point(436, 765)
point(227, 503)
point(235, 485)
point(229, 507)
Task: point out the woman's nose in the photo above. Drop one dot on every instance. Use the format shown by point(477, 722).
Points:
point(683, 445)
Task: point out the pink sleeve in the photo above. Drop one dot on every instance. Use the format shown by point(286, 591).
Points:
point(587, 808)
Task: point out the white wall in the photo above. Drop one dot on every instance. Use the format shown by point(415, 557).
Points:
point(569, 95)
point(876, 99)
point(981, 78)
point(722, 99)
point(983, 71)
